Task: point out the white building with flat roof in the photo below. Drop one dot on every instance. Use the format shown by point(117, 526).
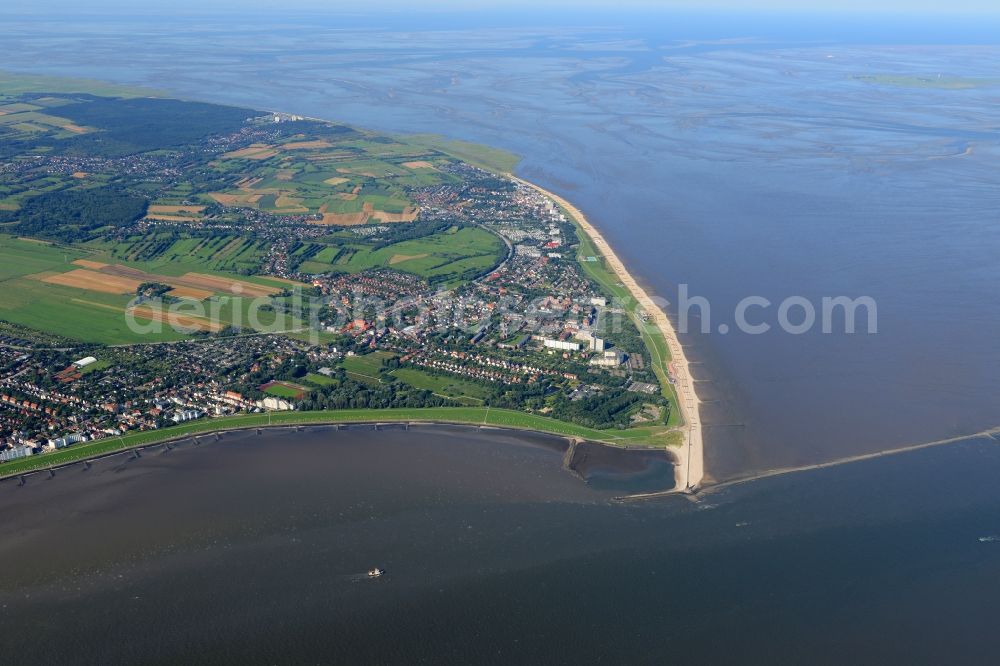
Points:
point(63, 442)
point(84, 362)
point(16, 453)
point(564, 345)
point(608, 359)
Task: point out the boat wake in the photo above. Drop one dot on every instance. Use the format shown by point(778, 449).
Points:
point(364, 576)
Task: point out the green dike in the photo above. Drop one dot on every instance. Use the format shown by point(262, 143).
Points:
point(653, 436)
point(659, 352)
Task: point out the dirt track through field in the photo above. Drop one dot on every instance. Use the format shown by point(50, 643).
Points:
point(81, 278)
point(176, 320)
point(87, 263)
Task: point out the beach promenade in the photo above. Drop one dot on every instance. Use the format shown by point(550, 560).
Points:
point(690, 469)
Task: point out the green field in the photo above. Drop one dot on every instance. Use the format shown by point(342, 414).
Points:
point(486, 157)
point(335, 172)
point(91, 316)
point(286, 390)
point(25, 257)
point(74, 313)
point(15, 84)
point(160, 253)
point(366, 368)
point(462, 390)
point(656, 436)
point(317, 379)
point(446, 257)
point(94, 316)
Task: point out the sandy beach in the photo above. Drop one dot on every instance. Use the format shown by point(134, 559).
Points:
point(690, 468)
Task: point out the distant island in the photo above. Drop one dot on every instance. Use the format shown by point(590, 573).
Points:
point(174, 267)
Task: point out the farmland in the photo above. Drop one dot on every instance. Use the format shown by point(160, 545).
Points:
point(54, 289)
point(173, 254)
point(81, 291)
point(93, 282)
point(344, 178)
point(117, 210)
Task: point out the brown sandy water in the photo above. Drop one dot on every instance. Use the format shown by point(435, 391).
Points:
point(254, 548)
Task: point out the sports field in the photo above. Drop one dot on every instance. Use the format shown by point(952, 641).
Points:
point(282, 389)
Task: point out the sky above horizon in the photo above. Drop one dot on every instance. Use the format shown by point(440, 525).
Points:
point(906, 6)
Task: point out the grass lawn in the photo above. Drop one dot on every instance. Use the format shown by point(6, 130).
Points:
point(465, 391)
point(368, 366)
point(24, 257)
point(100, 364)
point(444, 255)
point(319, 380)
point(282, 389)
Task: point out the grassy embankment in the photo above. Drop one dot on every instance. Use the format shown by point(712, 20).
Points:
point(503, 418)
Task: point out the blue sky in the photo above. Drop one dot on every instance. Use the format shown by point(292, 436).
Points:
point(907, 6)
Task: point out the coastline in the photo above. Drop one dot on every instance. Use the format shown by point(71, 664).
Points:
point(476, 417)
point(690, 470)
point(682, 440)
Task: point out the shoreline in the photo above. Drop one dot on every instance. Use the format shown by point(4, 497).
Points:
point(688, 473)
point(568, 443)
point(690, 469)
point(479, 418)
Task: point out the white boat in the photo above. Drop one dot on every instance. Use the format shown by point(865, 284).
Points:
point(375, 573)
